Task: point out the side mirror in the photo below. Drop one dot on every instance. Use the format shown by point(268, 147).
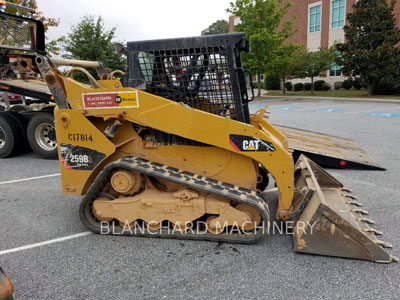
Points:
point(120, 48)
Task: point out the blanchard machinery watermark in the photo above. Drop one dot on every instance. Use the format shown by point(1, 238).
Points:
point(200, 227)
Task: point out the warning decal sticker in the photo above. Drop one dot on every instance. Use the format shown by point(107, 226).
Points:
point(80, 158)
point(111, 100)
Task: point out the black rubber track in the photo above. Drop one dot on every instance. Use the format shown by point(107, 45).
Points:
point(234, 193)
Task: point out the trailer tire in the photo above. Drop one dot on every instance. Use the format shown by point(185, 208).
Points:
point(11, 139)
point(23, 125)
point(42, 136)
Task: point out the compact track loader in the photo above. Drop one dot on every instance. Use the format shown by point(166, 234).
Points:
point(171, 151)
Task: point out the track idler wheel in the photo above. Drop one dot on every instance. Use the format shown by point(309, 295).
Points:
point(127, 182)
point(213, 226)
point(127, 225)
point(181, 226)
point(254, 215)
point(153, 225)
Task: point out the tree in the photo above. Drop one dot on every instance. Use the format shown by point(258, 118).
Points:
point(89, 40)
point(47, 22)
point(312, 64)
point(370, 52)
point(261, 21)
point(220, 26)
point(285, 64)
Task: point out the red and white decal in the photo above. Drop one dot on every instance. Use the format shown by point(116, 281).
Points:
point(111, 100)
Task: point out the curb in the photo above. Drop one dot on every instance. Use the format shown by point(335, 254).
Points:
point(293, 98)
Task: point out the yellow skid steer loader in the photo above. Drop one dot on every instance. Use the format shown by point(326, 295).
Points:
point(171, 151)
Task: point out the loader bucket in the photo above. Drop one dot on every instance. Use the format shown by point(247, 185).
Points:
point(327, 150)
point(329, 220)
point(6, 288)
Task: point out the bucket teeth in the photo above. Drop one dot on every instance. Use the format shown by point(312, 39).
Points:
point(383, 244)
point(372, 230)
point(347, 190)
point(365, 220)
point(394, 259)
point(349, 196)
point(361, 211)
point(354, 203)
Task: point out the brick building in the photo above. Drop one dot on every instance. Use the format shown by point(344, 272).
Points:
point(319, 23)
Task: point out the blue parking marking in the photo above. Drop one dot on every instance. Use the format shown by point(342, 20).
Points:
point(329, 110)
point(383, 114)
point(284, 108)
point(256, 106)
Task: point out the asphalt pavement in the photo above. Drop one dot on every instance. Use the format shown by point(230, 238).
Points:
point(115, 267)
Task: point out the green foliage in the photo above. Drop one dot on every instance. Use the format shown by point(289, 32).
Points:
point(318, 85)
point(288, 86)
point(338, 85)
point(53, 48)
point(272, 82)
point(220, 26)
point(357, 84)
point(285, 63)
point(326, 86)
point(347, 84)
point(307, 86)
point(370, 52)
point(312, 64)
point(256, 84)
point(388, 85)
point(298, 87)
point(89, 40)
point(261, 21)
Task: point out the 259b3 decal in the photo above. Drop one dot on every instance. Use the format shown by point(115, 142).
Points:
point(243, 143)
point(80, 158)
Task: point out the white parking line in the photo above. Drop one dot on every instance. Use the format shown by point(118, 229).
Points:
point(368, 110)
point(62, 239)
point(30, 178)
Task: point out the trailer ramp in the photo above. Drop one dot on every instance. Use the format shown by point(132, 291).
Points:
point(327, 150)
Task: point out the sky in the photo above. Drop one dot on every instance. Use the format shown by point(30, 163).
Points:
point(138, 19)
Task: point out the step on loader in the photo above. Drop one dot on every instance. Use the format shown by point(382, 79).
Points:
point(170, 150)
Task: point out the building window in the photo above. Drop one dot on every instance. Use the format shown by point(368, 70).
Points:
point(338, 8)
point(335, 70)
point(315, 18)
point(236, 21)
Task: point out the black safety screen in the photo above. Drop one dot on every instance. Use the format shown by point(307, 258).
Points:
point(19, 33)
point(201, 72)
